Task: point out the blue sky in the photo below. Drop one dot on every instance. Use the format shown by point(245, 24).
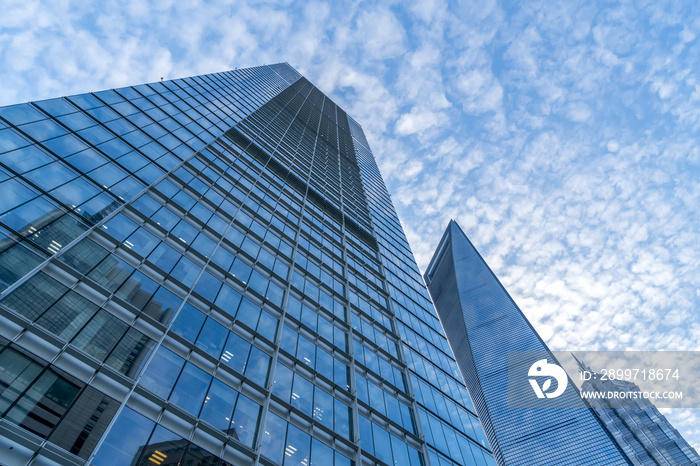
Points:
point(561, 135)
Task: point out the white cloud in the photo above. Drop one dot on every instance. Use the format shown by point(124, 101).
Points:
point(416, 121)
point(482, 92)
point(383, 36)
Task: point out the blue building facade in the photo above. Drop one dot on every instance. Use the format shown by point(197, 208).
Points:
point(209, 271)
point(646, 436)
point(496, 349)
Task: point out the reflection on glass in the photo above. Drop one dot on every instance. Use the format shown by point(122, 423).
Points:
point(43, 405)
point(124, 442)
point(218, 405)
point(244, 424)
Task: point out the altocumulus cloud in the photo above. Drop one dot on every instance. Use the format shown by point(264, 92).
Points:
point(561, 135)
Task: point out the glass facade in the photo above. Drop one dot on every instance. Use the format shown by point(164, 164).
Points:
point(209, 271)
point(483, 324)
point(646, 436)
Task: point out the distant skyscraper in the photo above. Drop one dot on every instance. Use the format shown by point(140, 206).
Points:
point(210, 271)
point(639, 428)
point(484, 325)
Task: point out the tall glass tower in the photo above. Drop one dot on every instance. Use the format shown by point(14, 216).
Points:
point(637, 425)
point(485, 328)
point(209, 271)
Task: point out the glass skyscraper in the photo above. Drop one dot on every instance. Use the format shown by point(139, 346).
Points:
point(209, 271)
point(646, 436)
point(485, 328)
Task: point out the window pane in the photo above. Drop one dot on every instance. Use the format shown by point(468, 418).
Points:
point(16, 259)
point(13, 194)
point(137, 290)
point(161, 373)
point(258, 366)
point(87, 160)
point(85, 423)
point(25, 159)
point(236, 352)
point(302, 394)
point(47, 400)
point(100, 335)
point(367, 443)
point(162, 305)
point(323, 408)
point(245, 421)
point(163, 447)
point(298, 447)
point(124, 439)
point(34, 296)
point(17, 372)
point(111, 273)
point(342, 419)
point(186, 271)
point(282, 382)
point(33, 214)
point(84, 255)
point(321, 454)
point(190, 389)
point(218, 405)
point(142, 242)
point(273, 440)
point(21, 113)
point(130, 353)
point(188, 322)
point(68, 315)
point(212, 337)
point(198, 456)
point(228, 300)
point(400, 451)
point(164, 257)
point(208, 286)
point(120, 227)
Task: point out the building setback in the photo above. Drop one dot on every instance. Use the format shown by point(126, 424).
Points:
point(210, 271)
point(486, 329)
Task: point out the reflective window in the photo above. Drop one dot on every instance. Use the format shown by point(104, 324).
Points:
point(161, 373)
point(244, 424)
point(35, 296)
point(212, 337)
point(163, 446)
point(298, 448)
point(100, 335)
point(43, 405)
point(18, 372)
point(111, 273)
point(21, 113)
point(68, 315)
point(190, 389)
point(273, 441)
point(124, 439)
point(188, 322)
point(218, 405)
point(16, 258)
point(25, 159)
point(130, 354)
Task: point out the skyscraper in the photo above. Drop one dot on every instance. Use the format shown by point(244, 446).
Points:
point(485, 329)
point(646, 436)
point(211, 270)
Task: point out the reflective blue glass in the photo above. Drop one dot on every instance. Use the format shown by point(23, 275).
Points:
point(190, 389)
point(161, 373)
point(128, 434)
point(474, 306)
point(218, 405)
